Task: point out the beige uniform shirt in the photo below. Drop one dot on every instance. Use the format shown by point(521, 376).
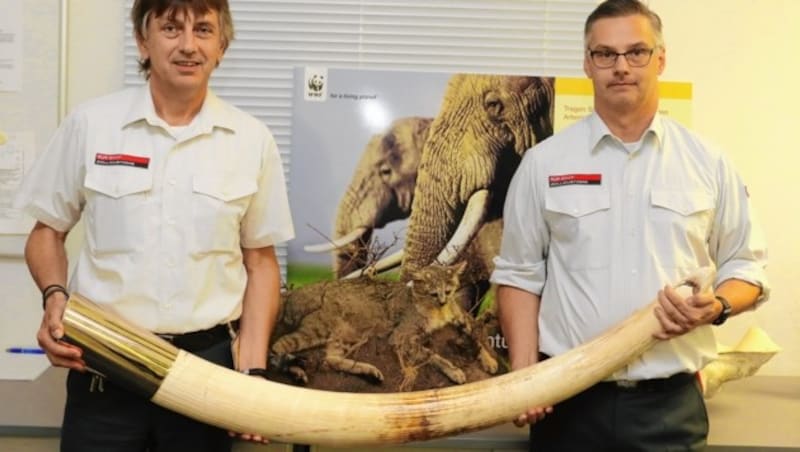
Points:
point(166, 210)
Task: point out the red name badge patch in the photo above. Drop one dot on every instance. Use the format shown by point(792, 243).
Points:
point(121, 159)
point(575, 179)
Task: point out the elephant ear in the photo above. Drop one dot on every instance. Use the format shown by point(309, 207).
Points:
point(421, 130)
point(541, 108)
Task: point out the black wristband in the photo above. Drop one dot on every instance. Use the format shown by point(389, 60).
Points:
point(255, 372)
point(50, 290)
point(726, 310)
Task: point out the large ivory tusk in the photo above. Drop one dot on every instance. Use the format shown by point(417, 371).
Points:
point(467, 228)
point(336, 243)
point(189, 385)
point(387, 263)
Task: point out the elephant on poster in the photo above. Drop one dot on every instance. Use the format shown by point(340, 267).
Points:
point(475, 143)
point(380, 191)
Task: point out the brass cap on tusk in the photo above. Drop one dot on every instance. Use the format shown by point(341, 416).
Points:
point(131, 356)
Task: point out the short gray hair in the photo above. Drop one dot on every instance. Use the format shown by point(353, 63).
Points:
point(622, 8)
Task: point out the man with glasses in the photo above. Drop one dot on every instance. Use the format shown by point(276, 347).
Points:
point(598, 218)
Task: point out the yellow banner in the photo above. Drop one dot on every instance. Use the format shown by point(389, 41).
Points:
point(575, 99)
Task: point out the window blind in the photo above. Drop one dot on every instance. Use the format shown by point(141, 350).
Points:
point(536, 37)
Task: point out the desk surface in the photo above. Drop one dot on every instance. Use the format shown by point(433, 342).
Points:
point(759, 412)
point(756, 411)
point(33, 404)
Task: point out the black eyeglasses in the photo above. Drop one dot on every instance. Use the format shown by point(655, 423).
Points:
point(605, 59)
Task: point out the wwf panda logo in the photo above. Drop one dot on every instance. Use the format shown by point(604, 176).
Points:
point(316, 82)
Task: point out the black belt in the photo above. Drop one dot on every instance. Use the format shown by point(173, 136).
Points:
point(201, 340)
point(651, 385)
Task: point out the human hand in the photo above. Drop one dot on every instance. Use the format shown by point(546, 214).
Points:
point(679, 315)
point(532, 416)
point(252, 437)
point(249, 437)
point(51, 331)
point(241, 363)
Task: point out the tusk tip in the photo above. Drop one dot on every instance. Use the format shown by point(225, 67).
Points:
point(320, 248)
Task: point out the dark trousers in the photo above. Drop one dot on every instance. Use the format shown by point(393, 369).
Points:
point(667, 416)
point(116, 420)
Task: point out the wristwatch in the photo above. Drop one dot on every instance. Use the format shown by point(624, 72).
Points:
point(726, 311)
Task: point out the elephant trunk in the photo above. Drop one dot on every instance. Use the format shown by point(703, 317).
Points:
point(450, 200)
point(434, 218)
point(452, 197)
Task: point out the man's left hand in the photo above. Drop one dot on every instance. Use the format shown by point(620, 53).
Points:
point(249, 437)
point(679, 315)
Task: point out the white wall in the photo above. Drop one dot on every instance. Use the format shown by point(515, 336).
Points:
point(96, 63)
point(740, 56)
point(741, 59)
point(95, 39)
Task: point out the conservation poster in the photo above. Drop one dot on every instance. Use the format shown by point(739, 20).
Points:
point(358, 137)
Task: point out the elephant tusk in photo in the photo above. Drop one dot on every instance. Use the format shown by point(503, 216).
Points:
point(745, 359)
point(756, 340)
point(350, 237)
point(184, 383)
point(387, 263)
point(467, 228)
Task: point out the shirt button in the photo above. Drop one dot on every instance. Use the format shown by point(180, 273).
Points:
point(170, 262)
point(170, 222)
point(172, 182)
point(634, 271)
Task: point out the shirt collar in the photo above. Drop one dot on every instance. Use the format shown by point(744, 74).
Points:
point(213, 113)
point(598, 130)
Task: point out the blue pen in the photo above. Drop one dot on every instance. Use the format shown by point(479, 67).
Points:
point(25, 350)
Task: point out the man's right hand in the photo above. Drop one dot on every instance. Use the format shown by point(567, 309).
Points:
point(51, 331)
point(518, 312)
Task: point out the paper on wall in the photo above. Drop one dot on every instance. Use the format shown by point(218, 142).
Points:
point(16, 155)
point(11, 45)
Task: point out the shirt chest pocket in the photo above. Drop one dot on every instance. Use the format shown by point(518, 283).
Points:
point(682, 215)
point(218, 206)
point(579, 228)
point(116, 207)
